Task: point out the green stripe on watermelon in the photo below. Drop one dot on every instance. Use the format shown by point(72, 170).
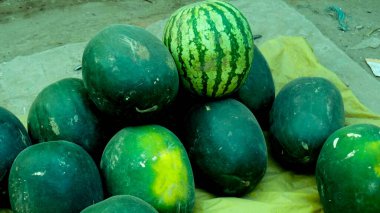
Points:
point(195, 48)
point(203, 63)
point(169, 38)
point(213, 86)
point(181, 61)
point(247, 41)
point(201, 52)
point(234, 51)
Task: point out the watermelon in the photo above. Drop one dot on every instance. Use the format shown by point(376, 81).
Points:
point(149, 162)
point(57, 176)
point(121, 204)
point(212, 45)
point(129, 73)
point(13, 139)
point(64, 111)
point(304, 113)
point(226, 147)
point(348, 170)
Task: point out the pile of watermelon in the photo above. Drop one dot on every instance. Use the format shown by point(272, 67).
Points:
point(152, 120)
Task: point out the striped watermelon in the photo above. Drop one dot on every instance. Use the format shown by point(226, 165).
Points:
point(212, 45)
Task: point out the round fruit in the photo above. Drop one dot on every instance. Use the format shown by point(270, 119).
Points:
point(56, 176)
point(226, 147)
point(151, 163)
point(121, 204)
point(13, 139)
point(63, 111)
point(304, 113)
point(348, 170)
point(129, 73)
point(212, 45)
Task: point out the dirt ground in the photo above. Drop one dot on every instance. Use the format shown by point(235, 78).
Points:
point(361, 40)
point(32, 26)
point(35, 25)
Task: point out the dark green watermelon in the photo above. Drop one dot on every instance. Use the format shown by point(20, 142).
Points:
point(64, 111)
point(129, 73)
point(13, 139)
point(226, 147)
point(305, 112)
point(56, 176)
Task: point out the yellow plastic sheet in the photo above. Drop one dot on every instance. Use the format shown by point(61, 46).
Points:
point(282, 190)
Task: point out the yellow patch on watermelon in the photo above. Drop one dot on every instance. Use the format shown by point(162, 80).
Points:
point(377, 170)
point(374, 147)
point(170, 184)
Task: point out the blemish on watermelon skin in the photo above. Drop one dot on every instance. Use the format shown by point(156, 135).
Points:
point(54, 126)
point(335, 142)
point(150, 109)
point(139, 51)
point(354, 135)
point(39, 173)
point(351, 154)
point(304, 145)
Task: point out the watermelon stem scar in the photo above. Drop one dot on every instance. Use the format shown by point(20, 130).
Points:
point(151, 109)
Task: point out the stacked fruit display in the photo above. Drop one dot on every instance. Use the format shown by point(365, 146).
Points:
point(152, 120)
